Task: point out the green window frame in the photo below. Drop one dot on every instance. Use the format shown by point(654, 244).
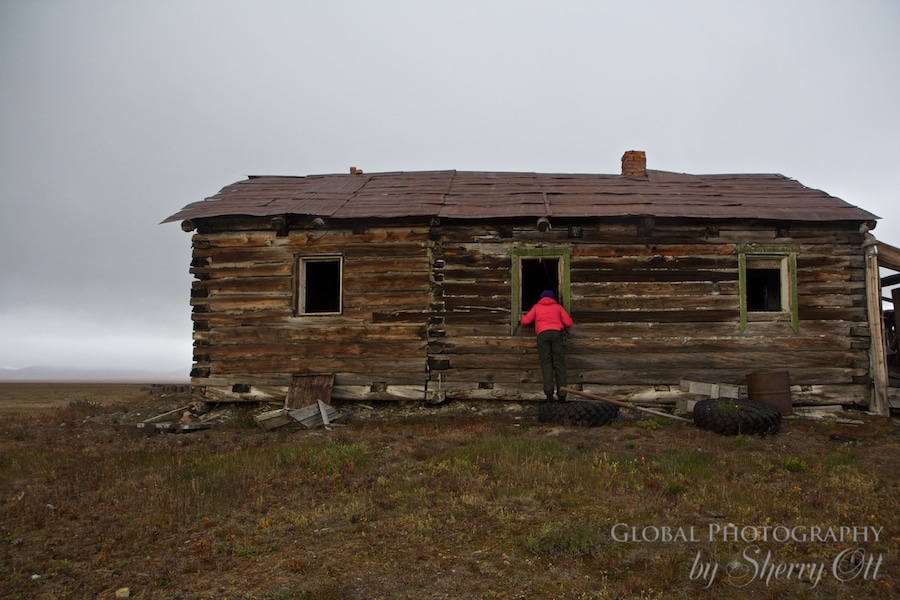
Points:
point(758, 266)
point(518, 256)
point(318, 285)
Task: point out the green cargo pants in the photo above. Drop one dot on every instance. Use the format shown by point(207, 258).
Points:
point(552, 354)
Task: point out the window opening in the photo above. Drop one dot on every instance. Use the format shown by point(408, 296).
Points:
point(533, 271)
point(538, 274)
point(763, 289)
point(320, 285)
point(768, 282)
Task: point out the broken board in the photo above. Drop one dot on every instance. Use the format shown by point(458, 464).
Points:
point(275, 419)
point(314, 415)
point(713, 390)
point(306, 404)
point(309, 389)
point(175, 427)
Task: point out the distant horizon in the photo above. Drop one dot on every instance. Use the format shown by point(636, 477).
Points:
point(61, 374)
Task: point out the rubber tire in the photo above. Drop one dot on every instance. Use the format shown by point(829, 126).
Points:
point(733, 417)
point(587, 414)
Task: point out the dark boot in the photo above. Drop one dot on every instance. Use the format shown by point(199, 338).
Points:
point(549, 396)
point(561, 396)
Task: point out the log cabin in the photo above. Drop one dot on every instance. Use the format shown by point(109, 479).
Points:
point(410, 285)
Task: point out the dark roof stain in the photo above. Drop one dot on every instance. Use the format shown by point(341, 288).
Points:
point(483, 195)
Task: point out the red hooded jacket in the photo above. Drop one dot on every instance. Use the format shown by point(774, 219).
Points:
point(547, 315)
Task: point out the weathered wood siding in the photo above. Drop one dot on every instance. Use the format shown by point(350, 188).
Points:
point(248, 340)
point(654, 305)
point(427, 310)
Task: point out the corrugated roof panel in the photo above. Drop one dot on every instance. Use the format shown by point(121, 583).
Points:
point(468, 206)
point(318, 206)
point(609, 210)
point(477, 195)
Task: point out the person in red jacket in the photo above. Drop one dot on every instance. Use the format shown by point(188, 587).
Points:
point(550, 319)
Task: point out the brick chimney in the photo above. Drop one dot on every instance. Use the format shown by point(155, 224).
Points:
point(634, 163)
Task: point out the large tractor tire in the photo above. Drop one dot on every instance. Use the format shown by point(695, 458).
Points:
point(587, 414)
point(733, 417)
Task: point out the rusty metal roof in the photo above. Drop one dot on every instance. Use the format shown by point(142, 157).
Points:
point(480, 195)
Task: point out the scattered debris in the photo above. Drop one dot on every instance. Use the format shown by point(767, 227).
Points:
point(176, 427)
point(308, 388)
point(178, 420)
point(309, 417)
point(162, 417)
point(823, 412)
point(823, 409)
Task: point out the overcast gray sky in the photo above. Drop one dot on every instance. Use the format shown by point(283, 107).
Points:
point(113, 115)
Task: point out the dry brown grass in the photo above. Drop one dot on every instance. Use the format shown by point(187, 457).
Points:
point(448, 504)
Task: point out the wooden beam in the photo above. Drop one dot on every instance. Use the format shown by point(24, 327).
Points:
point(888, 256)
point(895, 296)
point(877, 355)
point(890, 280)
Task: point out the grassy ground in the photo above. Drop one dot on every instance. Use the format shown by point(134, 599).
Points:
point(459, 502)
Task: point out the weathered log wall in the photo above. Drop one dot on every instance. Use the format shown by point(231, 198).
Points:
point(654, 305)
point(426, 310)
point(249, 341)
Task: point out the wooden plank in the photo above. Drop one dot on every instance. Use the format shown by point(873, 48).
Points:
point(162, 417)
point(313, 416)
point(275, 419)
point(323, 411)
point(877, 356)
point(888, 256)
point(306, 389)
point(713, 390)
point(893, 395)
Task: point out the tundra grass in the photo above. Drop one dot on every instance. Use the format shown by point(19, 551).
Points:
point(446, 506)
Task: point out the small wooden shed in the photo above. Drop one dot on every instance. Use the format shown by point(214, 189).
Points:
point(410, 285)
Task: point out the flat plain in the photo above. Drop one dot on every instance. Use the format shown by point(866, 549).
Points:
point(463, 500)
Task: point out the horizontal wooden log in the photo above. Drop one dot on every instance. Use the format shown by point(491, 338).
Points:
point(243, 303)
point(652, 316)
point(815, 313)
point(666, 303)
point(378, 368)
point(606, 289)
point(579, 343)
point(724, 360)
point(459, 325)
point(277, 268)
point(250, 285)
point(412, 288)
point(314, 333)
point(735, 375)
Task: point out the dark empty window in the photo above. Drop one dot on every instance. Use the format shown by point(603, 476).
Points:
point(768, 281)
point(319, 286)
point(538, 274)
point(763, 289)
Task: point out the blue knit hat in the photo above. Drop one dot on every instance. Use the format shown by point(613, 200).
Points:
point(548, 294)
